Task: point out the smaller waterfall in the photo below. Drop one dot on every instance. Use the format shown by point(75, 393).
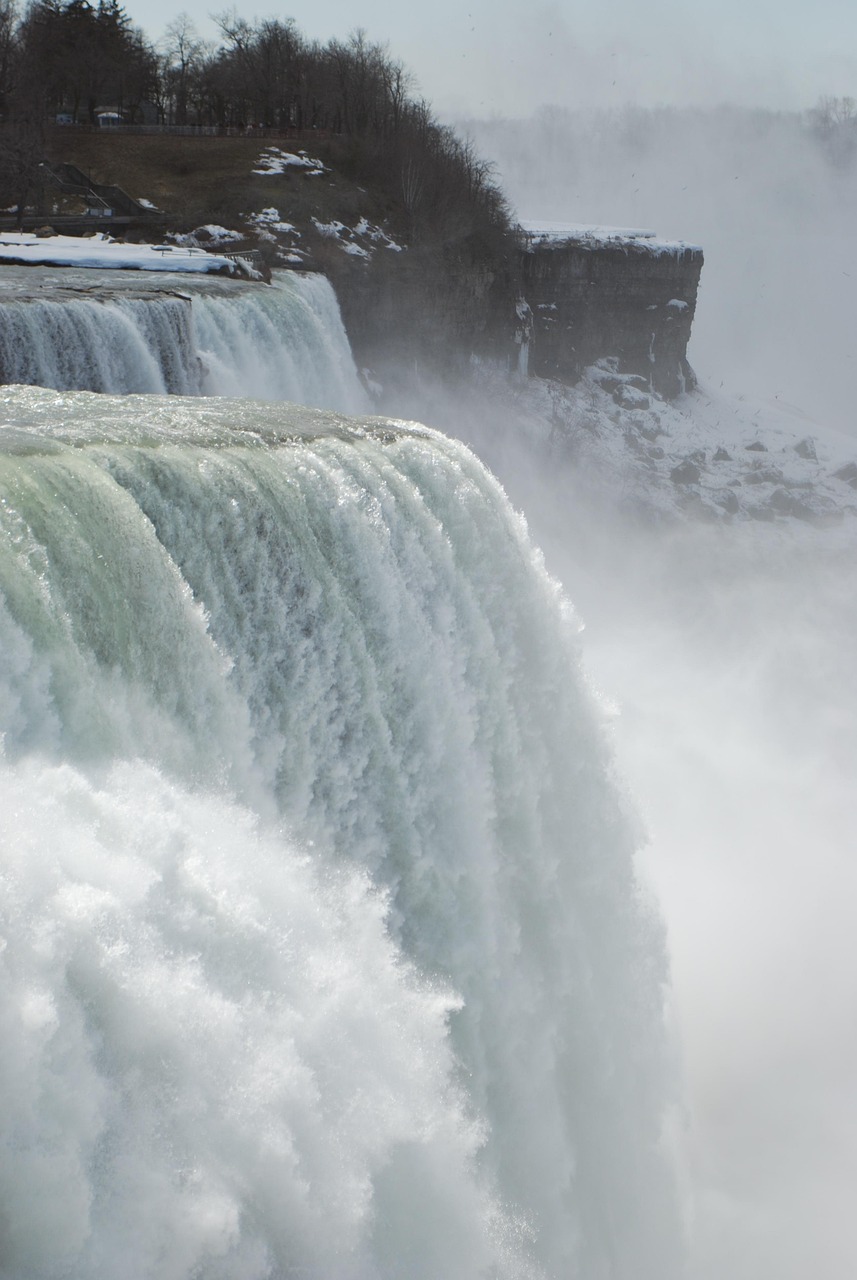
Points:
point(121, 345)
point(285, 341)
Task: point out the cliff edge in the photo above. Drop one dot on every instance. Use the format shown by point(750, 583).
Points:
point(597, 292)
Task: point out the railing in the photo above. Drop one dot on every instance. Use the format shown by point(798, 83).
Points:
point(251, 256)
point(104, 199)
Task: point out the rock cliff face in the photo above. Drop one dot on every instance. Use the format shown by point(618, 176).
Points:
point(570, 301)
point(429, 307)
point(628, 296)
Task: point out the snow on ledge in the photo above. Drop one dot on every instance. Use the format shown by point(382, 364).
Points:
point(100, 251)
point(554, 234)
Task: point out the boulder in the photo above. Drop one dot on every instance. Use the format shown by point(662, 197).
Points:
point(630, 397)
point(786, 504)
point(686, 472)
point(806, 449)
point(728, 501)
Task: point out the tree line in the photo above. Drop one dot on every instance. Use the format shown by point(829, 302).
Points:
point(72, 59)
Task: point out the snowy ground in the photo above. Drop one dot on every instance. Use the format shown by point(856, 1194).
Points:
point(103, 252)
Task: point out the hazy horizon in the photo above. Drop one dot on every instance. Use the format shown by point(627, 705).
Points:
point(484, 58)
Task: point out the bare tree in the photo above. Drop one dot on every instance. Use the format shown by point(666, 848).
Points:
point(834, 122)
point(182, 54)
point(831, 112)
point(21, 152)
point(8, 34)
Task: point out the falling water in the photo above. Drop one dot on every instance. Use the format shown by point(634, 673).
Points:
point(103, 331)
point(322, 950)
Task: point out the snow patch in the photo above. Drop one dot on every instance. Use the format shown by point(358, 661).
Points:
point(211, 233)
point(274, 160)
point(361, 240)
point(270, 220)
point(377, 234)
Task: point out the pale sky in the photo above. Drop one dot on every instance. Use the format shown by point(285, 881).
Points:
point(478, 57)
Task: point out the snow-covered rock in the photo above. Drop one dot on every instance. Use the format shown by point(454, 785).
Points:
point(705, 454)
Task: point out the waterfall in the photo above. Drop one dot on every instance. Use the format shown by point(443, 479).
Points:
point(322, 952)
point(181, 335)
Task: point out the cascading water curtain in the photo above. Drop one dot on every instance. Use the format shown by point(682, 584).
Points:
point(322, 950)
point(283, 341)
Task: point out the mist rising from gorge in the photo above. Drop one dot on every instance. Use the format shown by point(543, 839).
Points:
point(770, 198)
point(726, 653)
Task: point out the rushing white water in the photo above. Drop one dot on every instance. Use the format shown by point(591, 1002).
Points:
point(322, 953)
point(100, 331)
